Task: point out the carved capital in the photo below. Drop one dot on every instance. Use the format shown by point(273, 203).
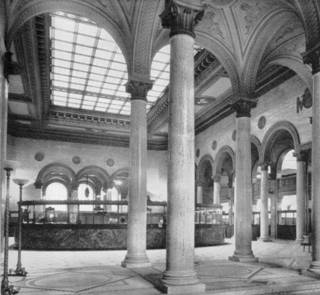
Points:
point(264, 166)
point(312, 58)
point(180, 19)
point(243, 107)
point(301, 156)
point(38, 184)
point(217, 178)
point(138, 89)
point(10, 67)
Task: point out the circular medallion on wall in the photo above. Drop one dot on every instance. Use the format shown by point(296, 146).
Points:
point(76, 160)
point(197, 153)
point(234, 134)
point(214, 145)
point(39, 156)
point(110, 162)
point(262, 122)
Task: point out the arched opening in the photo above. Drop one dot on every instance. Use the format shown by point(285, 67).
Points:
point(86, 193)
point(205, 181)
point(55, 191)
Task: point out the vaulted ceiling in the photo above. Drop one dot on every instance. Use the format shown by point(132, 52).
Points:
point(244, 48)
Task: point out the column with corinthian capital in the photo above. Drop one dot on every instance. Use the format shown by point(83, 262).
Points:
point(312, 57)
point(243, 186)
point(180, 276)
point(137, 206)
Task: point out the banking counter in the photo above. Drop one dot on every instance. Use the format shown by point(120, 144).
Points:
point(97, 225)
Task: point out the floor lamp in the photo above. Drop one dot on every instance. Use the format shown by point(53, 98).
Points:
point(20, 271)
point(5, 288)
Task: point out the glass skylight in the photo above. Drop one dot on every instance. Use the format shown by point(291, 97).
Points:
point(160, 71)
point(88, 68)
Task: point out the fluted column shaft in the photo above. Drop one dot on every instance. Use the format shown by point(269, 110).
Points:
point(301, 189)
point(180, 276)
point(243, 186)
point(137, 204)
point(264, 216)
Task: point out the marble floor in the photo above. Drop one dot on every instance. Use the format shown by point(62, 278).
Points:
point(282, 269)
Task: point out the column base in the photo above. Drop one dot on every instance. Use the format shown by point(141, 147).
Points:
point(315, 267)
point(182, 282)
point(136, 261)
point(265, 239)
point(243, 258)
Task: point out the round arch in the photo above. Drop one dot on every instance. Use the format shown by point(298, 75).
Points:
point(295, 64)
point(225, 151)
point(88, 10)
point(260, 41)
point(202, 166)
point(97, 176)
point(55, 172)
point(272, 134)
point(214, 46)
point(121, 179)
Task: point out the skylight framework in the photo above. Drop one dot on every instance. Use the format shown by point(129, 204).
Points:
point(88, 69)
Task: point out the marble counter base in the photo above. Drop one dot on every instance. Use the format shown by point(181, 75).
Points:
point(104, 237)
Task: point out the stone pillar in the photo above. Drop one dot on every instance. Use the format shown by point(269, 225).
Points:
point(243, 187)
point(73, 209)
point(216, 190)
point(137, 203)
point(274, 210)
point(199, 194)
point(313, 57)
point(180, 276)
point(3, 118)
point(301, 192)
point(264, 216)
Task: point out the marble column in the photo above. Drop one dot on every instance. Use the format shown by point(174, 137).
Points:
point(180, 276)
point(243, 186)
point(137, 203)
point(3, 118)
point(312, 57)
point(199, 194)
point(264, 216)
point(73, 209)
point(301, 191)
point(274, 209)
point(216, 189)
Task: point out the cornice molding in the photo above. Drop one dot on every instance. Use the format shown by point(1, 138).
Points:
point(28, 131)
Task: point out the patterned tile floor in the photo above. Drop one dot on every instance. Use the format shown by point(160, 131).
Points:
point(98, 272)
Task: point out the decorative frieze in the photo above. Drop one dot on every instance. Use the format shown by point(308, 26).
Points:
point(180, 19)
